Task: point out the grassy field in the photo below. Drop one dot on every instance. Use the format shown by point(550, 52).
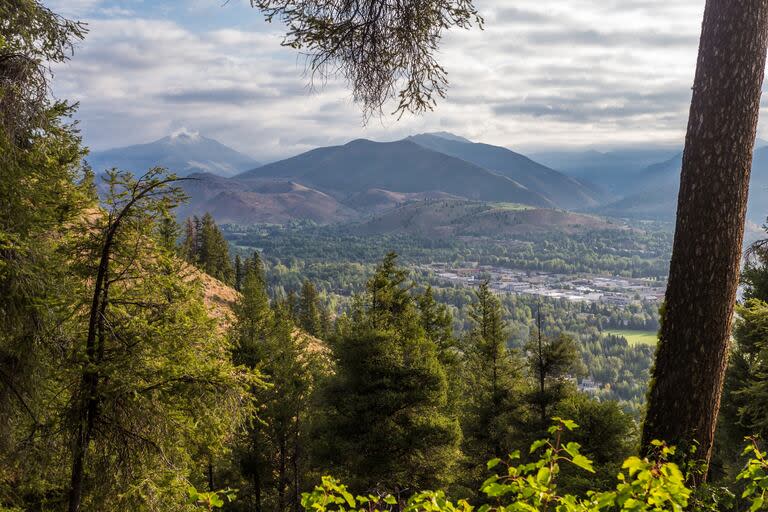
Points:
point(635, 337)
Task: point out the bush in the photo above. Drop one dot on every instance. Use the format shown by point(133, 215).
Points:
point(653, 484)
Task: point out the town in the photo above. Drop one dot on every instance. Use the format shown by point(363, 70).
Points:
point(575, 287)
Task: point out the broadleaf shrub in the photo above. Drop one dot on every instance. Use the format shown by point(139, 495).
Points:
point(651, 484)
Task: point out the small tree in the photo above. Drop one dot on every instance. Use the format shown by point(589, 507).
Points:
point(493, 385)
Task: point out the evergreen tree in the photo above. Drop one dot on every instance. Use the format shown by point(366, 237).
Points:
point(436, 320)
point(551, 360)
point(239, 272)
point(168, 232)
point(387, 425)
point(214, 251)
point(744, 410)
point(149, 361)
point(309, 317)
point(205, 246)
point(492, 389)
point(189, 243)
point(274, 453)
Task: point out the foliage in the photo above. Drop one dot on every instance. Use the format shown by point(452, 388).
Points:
point(211, 499)
point(273, 450)
point(383, 49)
point(31, 38)
point(492, 372)
point(755, 473)
point(387, 422)
point(643, 485)
point(551, 362)
point(204, 245)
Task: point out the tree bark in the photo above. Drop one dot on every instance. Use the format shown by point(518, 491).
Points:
point(684, 396)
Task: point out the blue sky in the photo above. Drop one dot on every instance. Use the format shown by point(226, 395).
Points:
point(543, 74)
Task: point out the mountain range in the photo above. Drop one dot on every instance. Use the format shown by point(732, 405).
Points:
point(356, 180)
point(653, 194)
point(364, 181)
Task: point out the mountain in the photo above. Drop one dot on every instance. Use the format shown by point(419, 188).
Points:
point(400, 166)
point(183, 152)
point(452, 218)
point(655, 195)
point(563, 191)
point(613, 171)
point(271, 202)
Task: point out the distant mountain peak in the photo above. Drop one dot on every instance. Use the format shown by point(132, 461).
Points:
point(184, 135)
point(447, 136)
point(184, 152)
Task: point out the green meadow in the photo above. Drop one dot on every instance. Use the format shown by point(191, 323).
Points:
point(635, 337)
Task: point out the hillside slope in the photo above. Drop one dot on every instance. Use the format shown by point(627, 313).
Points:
point(563, 191)
point(401, 166)
point(450, 218)
point(231, 201)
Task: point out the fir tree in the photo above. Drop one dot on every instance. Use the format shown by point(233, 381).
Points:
point(273, 454)
point(551, 360)
point(309, 317)
point(387, 423)
point(493, 386)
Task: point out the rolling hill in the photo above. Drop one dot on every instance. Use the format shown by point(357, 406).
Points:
point(402, 166)
point(563, 191)
point(182, 152)
point(230, 201)
point(450, 218)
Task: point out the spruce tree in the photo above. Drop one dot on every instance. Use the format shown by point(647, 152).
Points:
point(387, 424)
point(493, 386)
point(309, 317)
point(274, 452)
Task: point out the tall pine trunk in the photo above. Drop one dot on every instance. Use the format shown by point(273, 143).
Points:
point(684, 396)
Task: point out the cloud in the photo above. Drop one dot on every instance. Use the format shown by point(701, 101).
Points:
point(573, 72)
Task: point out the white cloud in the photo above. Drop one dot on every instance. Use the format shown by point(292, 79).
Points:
point(564, 73)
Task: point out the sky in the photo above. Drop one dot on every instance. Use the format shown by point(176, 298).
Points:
point(543, 74)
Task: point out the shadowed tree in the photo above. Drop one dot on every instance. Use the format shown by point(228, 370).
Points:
point(687, 383)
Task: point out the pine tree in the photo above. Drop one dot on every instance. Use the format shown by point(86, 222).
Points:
point(387, 425)
point(274, 453)
point(551, 360)
point(309, 317)
point(493, 386)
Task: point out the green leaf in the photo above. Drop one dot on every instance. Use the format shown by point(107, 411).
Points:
point(583, 462)
point(493, 463)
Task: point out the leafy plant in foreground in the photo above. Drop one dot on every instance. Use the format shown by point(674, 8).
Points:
point(645, 485)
